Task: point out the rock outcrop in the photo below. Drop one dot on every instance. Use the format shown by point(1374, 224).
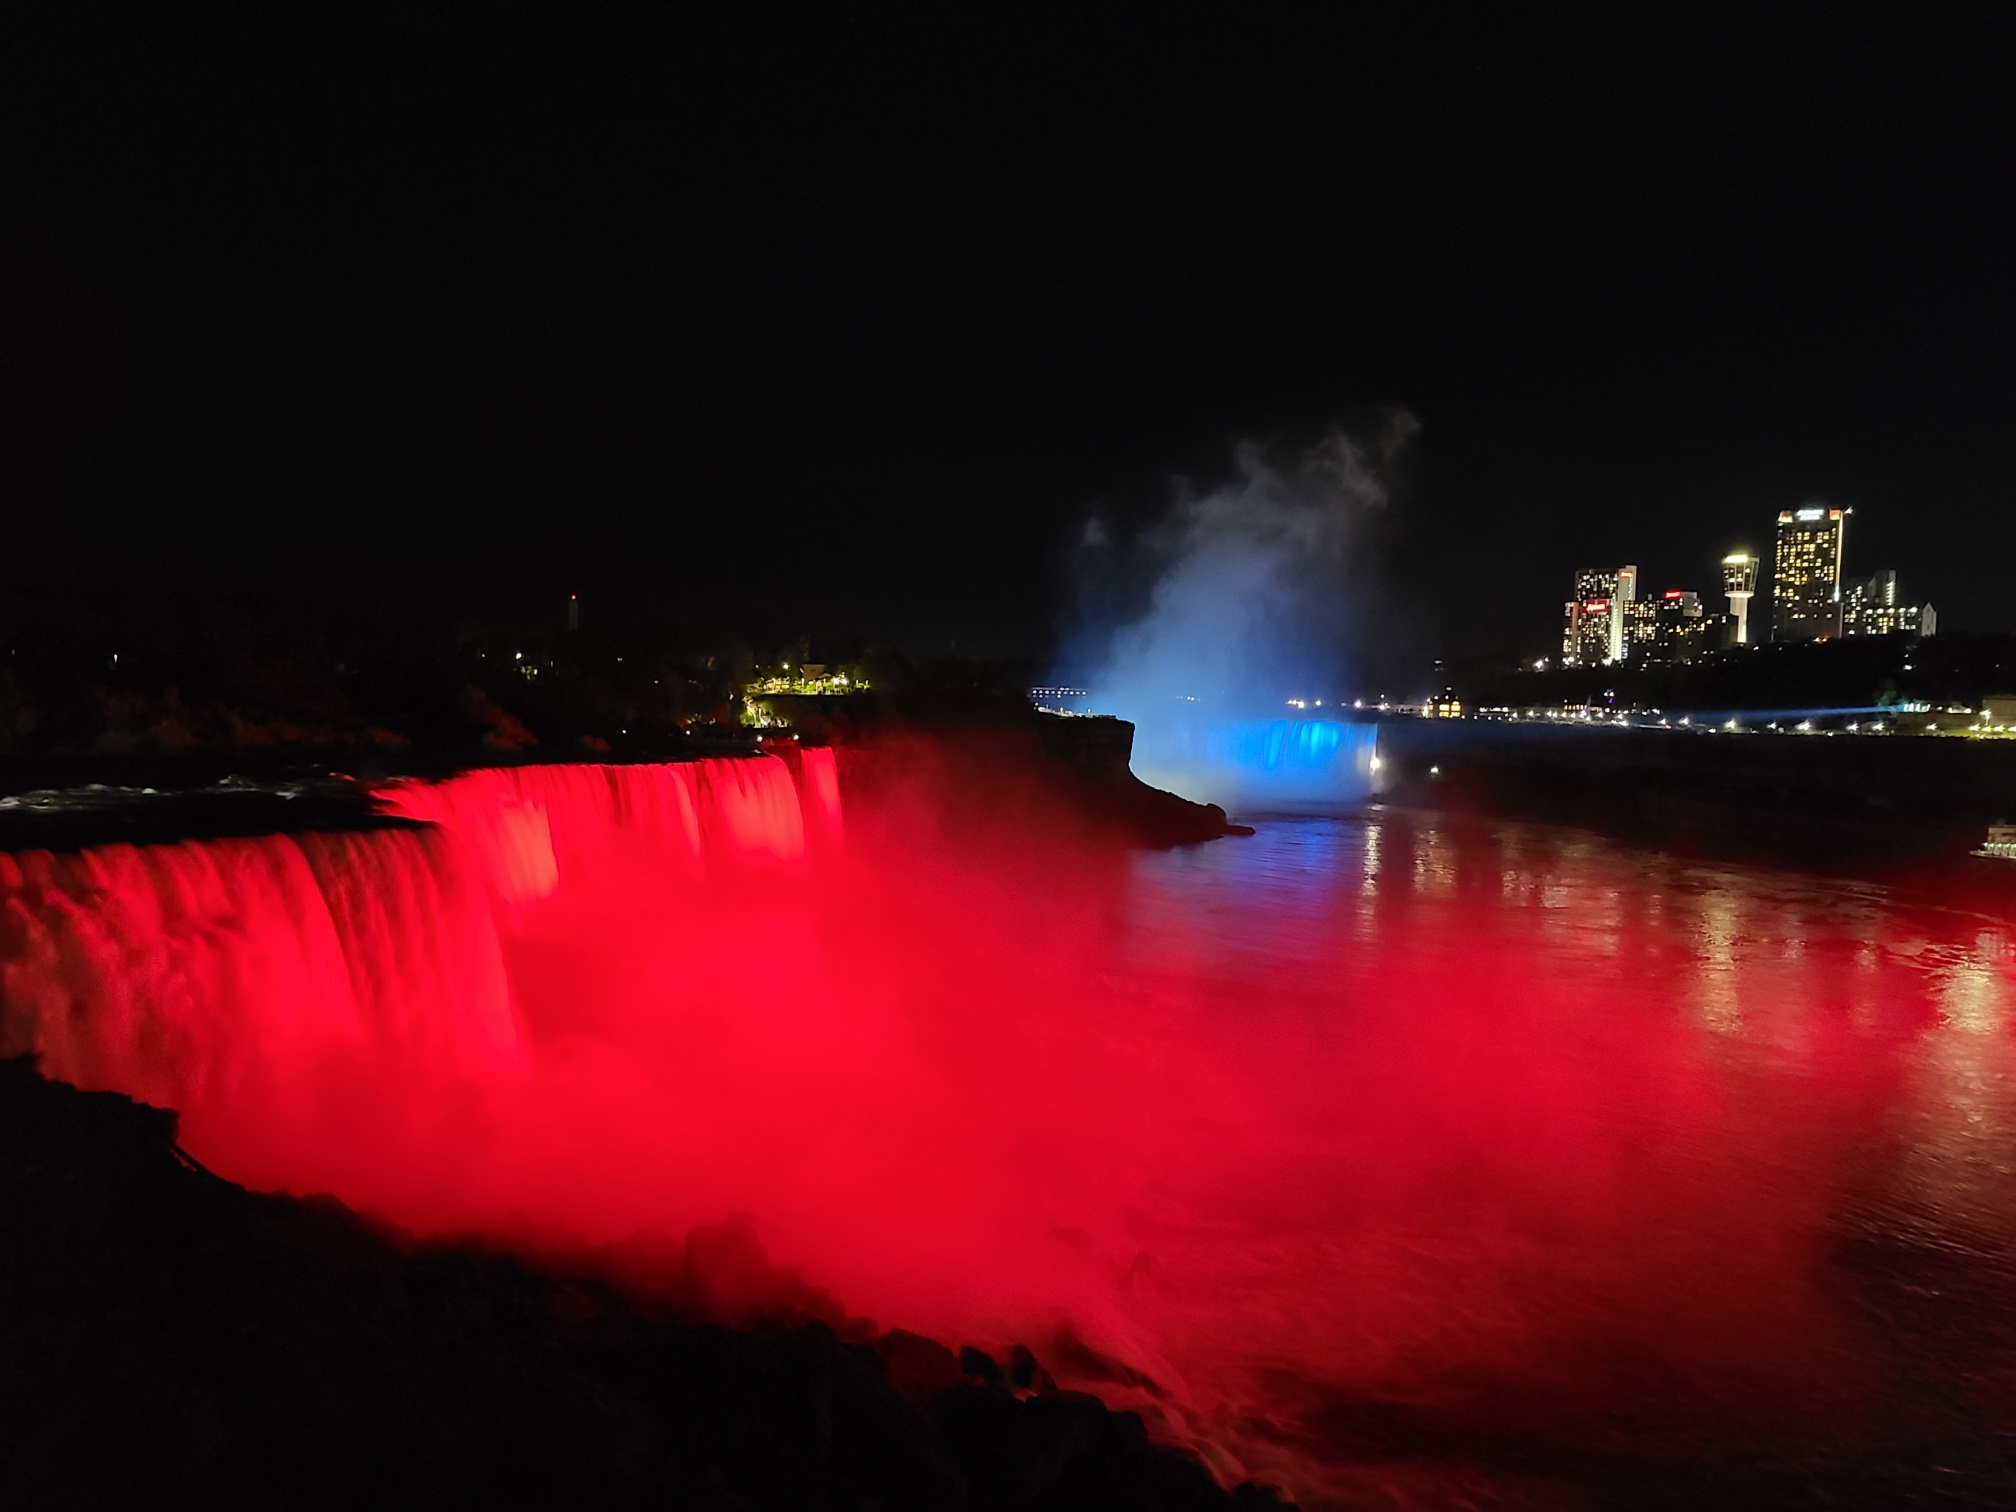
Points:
point(170, 1337)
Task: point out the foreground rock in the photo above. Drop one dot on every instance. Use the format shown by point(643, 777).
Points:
point(168, 1336)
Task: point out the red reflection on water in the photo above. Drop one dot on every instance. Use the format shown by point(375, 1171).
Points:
point(1311, 1147)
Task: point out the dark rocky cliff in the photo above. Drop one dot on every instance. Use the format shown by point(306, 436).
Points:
point(982, 763)
point(170, 1338)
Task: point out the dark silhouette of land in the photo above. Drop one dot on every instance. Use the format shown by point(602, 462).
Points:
point(169, 1333)
point(1856, 673)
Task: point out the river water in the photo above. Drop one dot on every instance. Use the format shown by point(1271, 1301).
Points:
point(1401, 1160)
point(1618, 1179)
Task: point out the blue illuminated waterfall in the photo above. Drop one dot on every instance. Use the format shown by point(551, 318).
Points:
point(1261, 765)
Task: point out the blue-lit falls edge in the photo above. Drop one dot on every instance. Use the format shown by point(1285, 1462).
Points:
point(1261, 766)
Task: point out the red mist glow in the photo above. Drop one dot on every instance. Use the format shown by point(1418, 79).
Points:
point(1487, 1125)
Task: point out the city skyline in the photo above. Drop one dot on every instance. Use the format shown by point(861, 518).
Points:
point(1807, 582)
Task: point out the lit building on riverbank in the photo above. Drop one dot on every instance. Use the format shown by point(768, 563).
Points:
point(1806, 574)
point(1670, 628)
point(1594, 632)
point(1607, 621)
point(1871, 607)
point(1739, 583)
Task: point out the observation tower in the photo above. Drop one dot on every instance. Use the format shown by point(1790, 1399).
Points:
point(1739, 581)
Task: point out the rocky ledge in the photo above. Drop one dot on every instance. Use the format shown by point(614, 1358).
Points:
point(170, 1337)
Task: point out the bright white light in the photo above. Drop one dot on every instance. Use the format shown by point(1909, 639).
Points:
point(1434, 771)
point(1375, 763)
point(1805, 724)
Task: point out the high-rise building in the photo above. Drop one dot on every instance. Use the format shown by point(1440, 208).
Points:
point(1868, 607)
point(1806, 574)
point(1587, 640)
point(1641, 627)
point(1627, 595)
point(1702, 633)
point(1669, 628)
point(1872, 607)
point(1597, 615)
point(1739, 582)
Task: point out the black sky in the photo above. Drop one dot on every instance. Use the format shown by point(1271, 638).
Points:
point(839, 323)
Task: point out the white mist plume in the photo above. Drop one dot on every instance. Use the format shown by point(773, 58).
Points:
point(1253, 598)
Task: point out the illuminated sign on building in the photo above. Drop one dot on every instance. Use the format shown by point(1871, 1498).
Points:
point(1596, 616)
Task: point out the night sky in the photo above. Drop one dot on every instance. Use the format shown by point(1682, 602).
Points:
point(840, 324)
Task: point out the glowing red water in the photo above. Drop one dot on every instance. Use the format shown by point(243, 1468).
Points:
point(540, 829)
point(1485, 1127)
point(254, 977)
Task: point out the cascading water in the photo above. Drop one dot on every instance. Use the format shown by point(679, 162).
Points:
point(1256, 766)
point(542, 830)
point(207, 970)
point(310, 999)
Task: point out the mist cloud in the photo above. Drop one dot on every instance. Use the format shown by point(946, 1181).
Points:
point(1256, 585)
point(1244, 596)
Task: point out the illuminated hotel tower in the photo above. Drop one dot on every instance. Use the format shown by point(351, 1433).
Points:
point(1594, 632)
point(1739, 581)
point(1806, 574)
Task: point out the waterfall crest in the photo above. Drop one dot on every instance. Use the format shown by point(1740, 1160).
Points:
point(236, 971)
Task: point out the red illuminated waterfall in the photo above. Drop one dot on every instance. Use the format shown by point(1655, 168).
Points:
point(309, 1002)
point(543, 831)
point(231, 969)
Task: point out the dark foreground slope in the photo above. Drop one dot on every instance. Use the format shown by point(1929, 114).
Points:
point(168, 1336)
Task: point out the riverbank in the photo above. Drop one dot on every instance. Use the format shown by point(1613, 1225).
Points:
point(1860, 802)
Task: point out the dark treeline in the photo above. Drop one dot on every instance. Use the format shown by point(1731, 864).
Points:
point(166, 675)
point(1857, 673)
